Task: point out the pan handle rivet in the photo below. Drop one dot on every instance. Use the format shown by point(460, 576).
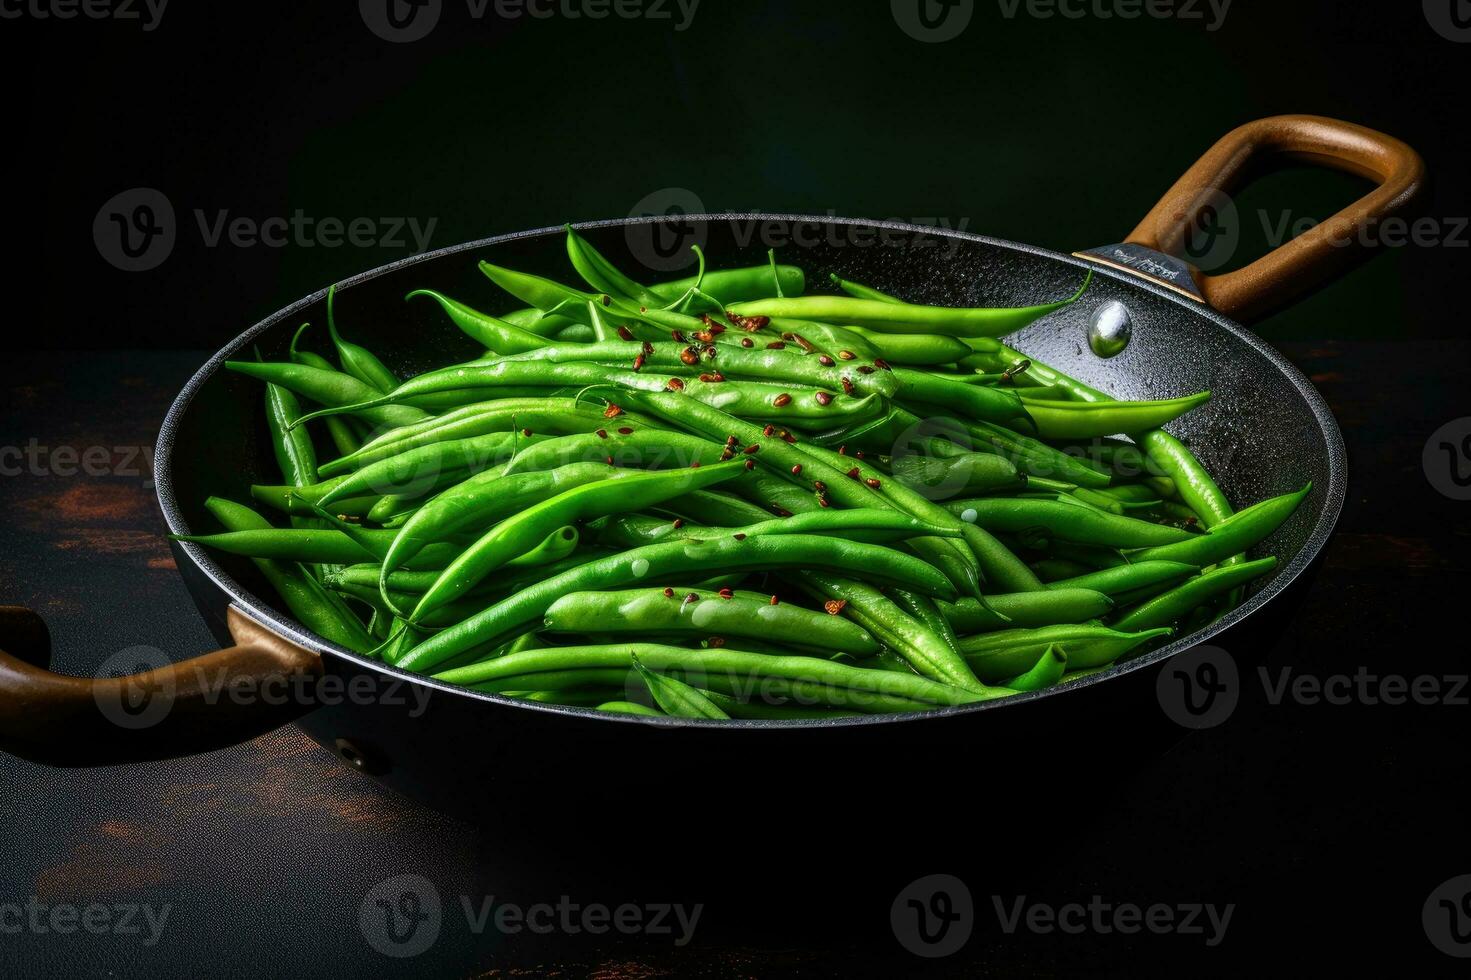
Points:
point(1110, 329)
point(351, 754)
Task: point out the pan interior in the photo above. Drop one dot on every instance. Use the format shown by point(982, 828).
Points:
point(1264, 432)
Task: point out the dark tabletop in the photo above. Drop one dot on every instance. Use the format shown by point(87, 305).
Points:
point(1322, 829)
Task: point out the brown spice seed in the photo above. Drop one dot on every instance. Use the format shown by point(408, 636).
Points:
point(825, 361)
point(676, 385)
point(835, 606)
point(846, 355)
point(823, 398)
point(624, 430)
point(796, 469)
point(625, 333)
point(782, 400)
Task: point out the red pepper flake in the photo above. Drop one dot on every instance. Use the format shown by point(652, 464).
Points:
point(730, 441)
point(847, 385)
point(782, 400)
point(668, 593)
point(824, 502)
point(747, 342)
point(678, 523)
point(677, 335)
point(638, 362)
point(777, 345)
point(726, 593)
point(846, 355)
point(751, 323)
point(855, 473)
point(796, 469)
point(823, 398)
point(803, 343)
point(704, 336)
point(880, 362)
point(717, 328)
point(775, 601)
point(835, 607)
point(752, 449)
point(819, 486)
point(768, 430)
point(825, 361)
point(674, 384)
point(864, 369)
point(750, 464)
point(624, 430)
point(648, 349)
point(788, 437)
point(711, 379)
point(612, 412)
point(873, 484)
point(602, 433)
point(689, 356)
point(625, 333)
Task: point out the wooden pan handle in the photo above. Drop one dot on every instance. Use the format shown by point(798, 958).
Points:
point(1317, 254)
point(215, 700)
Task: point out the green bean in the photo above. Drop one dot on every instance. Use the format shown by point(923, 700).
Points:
point(324, 546)
point(894, 317)
point(973, 402)
point(1084, 420)
point(832, 679)
point(843, 343)
point(676, 698)
point(332, 388)
point(967, 472)
point(871, 524)
point(1047, 607)
point(1180, 601)
point(1232, 536)
point(861, 291)
point(356, 360)
point(1046, 672)
point(519, 533)
point(413, 472)
point(1118, 581)
point(675, 560)
point(1071, 522)
point(995, 657)
point(662, 612)
point(630, 708)
point(914, 350)
point(737, 285)
point(306, 599)
point(298, 500)
point(490, 332)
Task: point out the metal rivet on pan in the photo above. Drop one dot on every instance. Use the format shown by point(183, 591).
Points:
point(352, 755)
point(1110, 329)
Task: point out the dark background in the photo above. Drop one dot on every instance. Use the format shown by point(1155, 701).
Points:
point(1328, 826)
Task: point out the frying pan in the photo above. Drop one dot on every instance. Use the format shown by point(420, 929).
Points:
point(1265, 431)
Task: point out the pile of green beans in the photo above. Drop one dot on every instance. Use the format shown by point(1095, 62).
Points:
point(724, 497)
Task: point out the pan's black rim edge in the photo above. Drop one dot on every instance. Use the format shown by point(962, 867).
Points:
point(264, 612)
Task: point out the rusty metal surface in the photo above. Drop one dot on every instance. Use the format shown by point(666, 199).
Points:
point(1326, 821)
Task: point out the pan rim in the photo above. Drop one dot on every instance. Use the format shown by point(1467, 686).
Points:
point(265, 613)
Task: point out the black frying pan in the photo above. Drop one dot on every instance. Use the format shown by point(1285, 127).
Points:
point(1265, 431)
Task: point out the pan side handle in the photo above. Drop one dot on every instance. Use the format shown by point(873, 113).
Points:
point(173, 709)
point(1312, 257)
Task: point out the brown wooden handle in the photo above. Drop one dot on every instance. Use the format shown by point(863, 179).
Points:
point(1317, 254)
point(215, 700)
